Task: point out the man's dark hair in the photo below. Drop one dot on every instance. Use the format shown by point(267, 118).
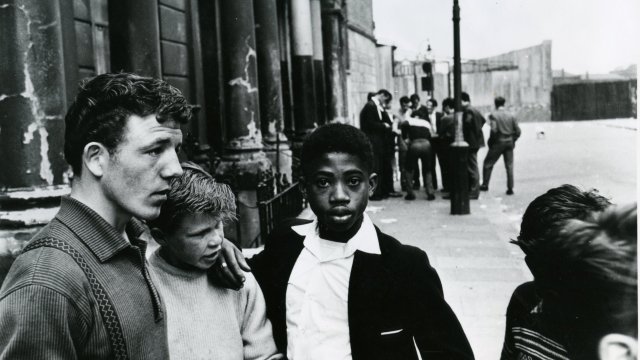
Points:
point(404, 100)
point(386, 94)
point(499, 101)
point(335, 138)
point(465, 97)
point(596, 275)
point(370, 95)
point(448, 102)
point(433, 102)
point(550, 209)
point(415, 97)
point(105, 102)
point(195, 191)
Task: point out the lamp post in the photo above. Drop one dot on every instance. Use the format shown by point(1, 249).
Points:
point(459, 148)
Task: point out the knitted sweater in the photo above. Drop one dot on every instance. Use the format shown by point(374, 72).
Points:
point(208, 322)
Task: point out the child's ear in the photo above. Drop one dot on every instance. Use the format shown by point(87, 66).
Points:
point(373, 183)
point(158, 236)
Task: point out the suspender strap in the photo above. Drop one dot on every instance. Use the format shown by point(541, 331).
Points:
point(107, 311)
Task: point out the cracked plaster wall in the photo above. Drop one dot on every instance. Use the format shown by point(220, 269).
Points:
point(32, 101)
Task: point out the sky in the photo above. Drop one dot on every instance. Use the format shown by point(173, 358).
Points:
point(594, 36)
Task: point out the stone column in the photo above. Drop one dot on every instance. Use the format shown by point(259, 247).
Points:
point(134, 33)
point(333, 24)
point(270, 85)
point(318, 61)
point(34, 90)
point(304, 104)
point(304, 97)
point(243, 157)
point(284, 34)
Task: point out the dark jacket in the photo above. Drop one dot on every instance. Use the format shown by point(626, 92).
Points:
point(374, 126)
point(472, 128)
point(421, 112)
point(395, 290)
point(446, 125)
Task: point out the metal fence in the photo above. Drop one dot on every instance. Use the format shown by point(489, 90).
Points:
point(277, 200)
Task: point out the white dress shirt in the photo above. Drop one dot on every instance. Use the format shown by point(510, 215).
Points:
point(318, 292)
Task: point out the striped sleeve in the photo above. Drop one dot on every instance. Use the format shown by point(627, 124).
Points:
point(37, 322)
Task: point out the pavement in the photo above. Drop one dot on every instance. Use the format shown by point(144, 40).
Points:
point(478, 266)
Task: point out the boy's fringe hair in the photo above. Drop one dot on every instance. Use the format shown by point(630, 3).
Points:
point(195, 191)
point(551, 209)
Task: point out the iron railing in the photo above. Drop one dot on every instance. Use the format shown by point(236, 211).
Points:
point(277, 200)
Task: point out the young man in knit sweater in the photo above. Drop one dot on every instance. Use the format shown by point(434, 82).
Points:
point(337, 287)
point(204, 321)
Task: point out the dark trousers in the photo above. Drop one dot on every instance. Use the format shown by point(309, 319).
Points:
point(496, 150)
point(420, 150)
point(388, 158)
point(474, 172)
point(435, 148)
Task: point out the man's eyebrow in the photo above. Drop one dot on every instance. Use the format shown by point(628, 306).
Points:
point(165, 140)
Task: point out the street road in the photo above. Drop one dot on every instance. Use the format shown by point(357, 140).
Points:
point(478, 267)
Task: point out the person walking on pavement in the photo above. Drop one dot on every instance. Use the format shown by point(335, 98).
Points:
point(472, 132)
point(504, 134)
point(375, 122)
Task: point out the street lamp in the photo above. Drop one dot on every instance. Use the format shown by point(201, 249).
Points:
point(459, 148)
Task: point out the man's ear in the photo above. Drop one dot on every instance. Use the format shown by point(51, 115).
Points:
point(373, 183)
point(158, 236)
point(95, 157)
point(618, 347)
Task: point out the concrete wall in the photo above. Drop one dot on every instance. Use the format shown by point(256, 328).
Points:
point(384, 67)
point(362, 73)
point(523, 77)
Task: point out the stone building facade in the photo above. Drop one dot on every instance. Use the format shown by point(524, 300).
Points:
point(263, 74)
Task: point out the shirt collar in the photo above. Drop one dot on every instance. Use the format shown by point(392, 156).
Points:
point(365, 240)
point(99, 236)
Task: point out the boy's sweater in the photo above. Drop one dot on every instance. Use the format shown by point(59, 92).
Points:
point(208, 322)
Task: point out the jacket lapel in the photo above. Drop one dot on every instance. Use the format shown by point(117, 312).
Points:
point(368, 286)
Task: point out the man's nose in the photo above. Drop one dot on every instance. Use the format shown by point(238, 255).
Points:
point(172, 166)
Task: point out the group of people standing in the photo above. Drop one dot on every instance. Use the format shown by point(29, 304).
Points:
point(421, 135)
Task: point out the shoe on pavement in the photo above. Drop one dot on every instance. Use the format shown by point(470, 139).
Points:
point(474, 196)
point(484, 188)
point(510, 192)
point(375, 198)
point(446, 196)
point(410, 197)
point(431, 197)
point(395, 194)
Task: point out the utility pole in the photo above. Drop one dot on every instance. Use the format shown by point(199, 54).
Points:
point(459, 148)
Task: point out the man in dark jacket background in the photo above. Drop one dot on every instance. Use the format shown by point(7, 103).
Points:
point(472, 131)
